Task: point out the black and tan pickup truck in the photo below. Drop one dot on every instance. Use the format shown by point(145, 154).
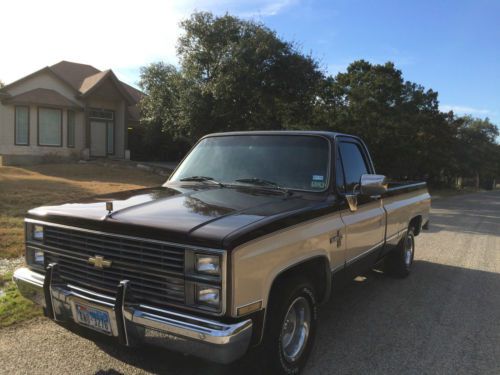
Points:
point(235, 251)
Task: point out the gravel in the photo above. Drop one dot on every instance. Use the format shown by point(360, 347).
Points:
point(9, 265)
point(443, 319)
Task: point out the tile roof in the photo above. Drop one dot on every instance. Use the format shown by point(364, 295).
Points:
point(91, 81)
point(83, 79)
point(73, 73)
point(41, 96)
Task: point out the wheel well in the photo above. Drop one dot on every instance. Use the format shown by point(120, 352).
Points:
point(315, 270)
point(416, 224)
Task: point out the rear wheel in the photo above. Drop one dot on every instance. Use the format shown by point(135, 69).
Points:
point(290, 328)
point(399, 261)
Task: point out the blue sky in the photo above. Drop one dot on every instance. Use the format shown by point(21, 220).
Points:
point(452, 47)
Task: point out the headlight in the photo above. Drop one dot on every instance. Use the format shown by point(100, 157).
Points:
point(38, 257)
point(208, 296)
point(35, 232)
point(35, 257)
point(207, 264)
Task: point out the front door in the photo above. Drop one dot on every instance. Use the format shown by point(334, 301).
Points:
point(97, 138)
point(365, 228)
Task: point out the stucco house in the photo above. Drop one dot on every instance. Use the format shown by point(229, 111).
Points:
point(66, 110)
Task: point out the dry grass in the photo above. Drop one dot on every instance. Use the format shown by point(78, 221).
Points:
point(28, 187)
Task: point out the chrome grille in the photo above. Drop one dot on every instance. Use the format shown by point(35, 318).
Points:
point(155, 269)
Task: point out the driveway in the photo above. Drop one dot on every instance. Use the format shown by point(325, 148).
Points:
point(443, 319)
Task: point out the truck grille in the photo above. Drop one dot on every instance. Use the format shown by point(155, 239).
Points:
point(155, 269)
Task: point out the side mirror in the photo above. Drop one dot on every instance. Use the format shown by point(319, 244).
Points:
point(373, 184)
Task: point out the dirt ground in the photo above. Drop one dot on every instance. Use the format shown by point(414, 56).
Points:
point(23, 188)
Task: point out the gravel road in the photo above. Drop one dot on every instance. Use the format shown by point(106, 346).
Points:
point(443, 319)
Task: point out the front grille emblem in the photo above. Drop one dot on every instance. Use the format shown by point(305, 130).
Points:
point(99, 262)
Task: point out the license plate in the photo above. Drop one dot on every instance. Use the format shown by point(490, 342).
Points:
point(93, 318)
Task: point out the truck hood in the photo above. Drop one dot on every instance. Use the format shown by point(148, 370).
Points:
point(198, 214)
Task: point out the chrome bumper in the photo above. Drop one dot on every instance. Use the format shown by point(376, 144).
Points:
point(134, 324)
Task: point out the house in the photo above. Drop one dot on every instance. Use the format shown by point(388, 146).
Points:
point(66, 110)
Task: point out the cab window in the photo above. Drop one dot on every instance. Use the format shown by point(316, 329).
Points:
point(354, 164)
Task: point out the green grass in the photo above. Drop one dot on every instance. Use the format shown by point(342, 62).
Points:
point(14, 308)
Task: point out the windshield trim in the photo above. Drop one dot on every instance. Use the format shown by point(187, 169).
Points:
point(219, 135)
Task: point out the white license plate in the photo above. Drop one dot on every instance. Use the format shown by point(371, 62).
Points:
point(93, 318)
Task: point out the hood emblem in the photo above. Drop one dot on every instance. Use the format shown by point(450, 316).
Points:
point(99, 262)
point(109, 207)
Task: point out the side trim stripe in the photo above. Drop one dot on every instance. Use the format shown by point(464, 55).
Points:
point(371, 249)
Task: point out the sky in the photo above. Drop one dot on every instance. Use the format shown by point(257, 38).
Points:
point(452, 47)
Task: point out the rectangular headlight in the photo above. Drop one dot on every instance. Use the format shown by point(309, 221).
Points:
point(35, 257)
point(207, 264)
point(208, 296)
point(34, 232)
point(38, 257)
point(37, 232)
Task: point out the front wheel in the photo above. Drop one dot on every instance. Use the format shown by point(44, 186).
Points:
point(290, 328)
point(399, 261)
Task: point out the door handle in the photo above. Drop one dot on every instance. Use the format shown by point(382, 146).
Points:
point(337, 238)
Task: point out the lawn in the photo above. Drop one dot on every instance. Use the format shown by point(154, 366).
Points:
point(28, 187)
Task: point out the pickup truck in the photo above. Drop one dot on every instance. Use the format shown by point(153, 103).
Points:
point(235, 251)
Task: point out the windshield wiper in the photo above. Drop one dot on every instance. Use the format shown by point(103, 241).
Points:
point(262, 182)
point(202, 179)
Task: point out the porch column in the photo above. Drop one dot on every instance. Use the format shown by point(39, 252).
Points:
point(87, 127)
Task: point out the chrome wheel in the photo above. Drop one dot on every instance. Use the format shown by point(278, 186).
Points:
point(295, 330)
point(408, 251)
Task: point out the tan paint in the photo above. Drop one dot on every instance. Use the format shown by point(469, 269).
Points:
point(401, 208)
point(256, 264)
point(365, 228)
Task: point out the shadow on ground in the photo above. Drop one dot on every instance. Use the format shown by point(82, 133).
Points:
point(441, 319)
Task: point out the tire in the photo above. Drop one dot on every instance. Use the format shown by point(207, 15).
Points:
point(399, 261)
point(283, 351)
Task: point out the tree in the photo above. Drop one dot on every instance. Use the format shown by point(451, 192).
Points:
point(239, 75)
point(394, 117)
point(477, 152)
point(234, 75)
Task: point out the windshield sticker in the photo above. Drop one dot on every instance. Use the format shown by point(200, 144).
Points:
point(317, 177)
point(318, 184)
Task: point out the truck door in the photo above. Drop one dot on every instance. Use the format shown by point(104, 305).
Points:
point(365, 227)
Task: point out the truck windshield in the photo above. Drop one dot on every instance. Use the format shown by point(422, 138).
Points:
point(287, 161)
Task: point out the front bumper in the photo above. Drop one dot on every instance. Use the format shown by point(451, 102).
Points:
point(134, 324)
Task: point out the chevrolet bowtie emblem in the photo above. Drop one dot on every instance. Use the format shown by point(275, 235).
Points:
point(99, 262)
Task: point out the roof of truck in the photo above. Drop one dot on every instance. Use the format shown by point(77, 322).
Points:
point(327, 134)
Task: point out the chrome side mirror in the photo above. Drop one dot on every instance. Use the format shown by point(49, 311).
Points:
point(373, 184)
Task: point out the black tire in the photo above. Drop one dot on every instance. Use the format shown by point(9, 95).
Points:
point(398, 262)
point(288, 293)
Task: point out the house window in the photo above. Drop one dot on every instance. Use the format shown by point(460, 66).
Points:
point(71, 129)
point(110, 138)
point(49, 127)
point(101, 114)
point(22, 126)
